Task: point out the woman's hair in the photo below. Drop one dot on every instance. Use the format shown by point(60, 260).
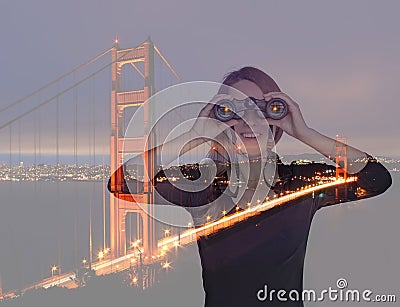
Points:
point(260, 78)
point(257, 76)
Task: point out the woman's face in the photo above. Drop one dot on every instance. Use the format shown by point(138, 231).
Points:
point(252, 126)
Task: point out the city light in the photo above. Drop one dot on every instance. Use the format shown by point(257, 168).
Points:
point(100, 255)
point(53, 270)
point(135, 244)
point(166, 265)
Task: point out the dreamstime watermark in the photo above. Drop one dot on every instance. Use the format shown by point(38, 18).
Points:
point(338, 294)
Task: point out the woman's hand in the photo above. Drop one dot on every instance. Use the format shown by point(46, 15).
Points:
point(293, 123)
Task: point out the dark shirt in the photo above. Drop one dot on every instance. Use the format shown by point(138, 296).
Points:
point(269, 249)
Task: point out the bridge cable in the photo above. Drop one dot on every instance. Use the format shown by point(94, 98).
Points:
point(167, 63)
point(39, 134)
point(105, 132)
point(75, 100)
point(65, 90)
point(55, 81)
point(59, 240)
point(19, 148)
point(75, 139)
point(10, 141)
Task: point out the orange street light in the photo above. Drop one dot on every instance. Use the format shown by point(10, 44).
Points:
point(53, 270)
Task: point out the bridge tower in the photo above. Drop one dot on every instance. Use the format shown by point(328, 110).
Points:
point(120, 146)
point(341, 157)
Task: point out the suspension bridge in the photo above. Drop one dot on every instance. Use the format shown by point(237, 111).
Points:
point(80, 105)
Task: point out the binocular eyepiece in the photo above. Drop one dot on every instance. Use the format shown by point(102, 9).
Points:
point(225, 109)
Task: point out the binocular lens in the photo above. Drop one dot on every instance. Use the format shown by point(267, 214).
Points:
point(276, 108)
point(224, 111)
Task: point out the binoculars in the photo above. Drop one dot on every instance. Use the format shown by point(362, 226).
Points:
point(225, 109)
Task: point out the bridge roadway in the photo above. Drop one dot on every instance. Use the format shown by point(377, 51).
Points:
point(108, 266)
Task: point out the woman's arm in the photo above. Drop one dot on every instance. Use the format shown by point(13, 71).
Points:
point(326, 146)
point(372, 176)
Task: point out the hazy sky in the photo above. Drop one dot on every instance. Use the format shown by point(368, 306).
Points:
point(338, 59)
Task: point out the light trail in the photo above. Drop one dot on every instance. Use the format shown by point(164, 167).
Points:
point(191, 235)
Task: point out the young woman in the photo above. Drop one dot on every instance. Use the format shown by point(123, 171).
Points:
point(267, 250)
